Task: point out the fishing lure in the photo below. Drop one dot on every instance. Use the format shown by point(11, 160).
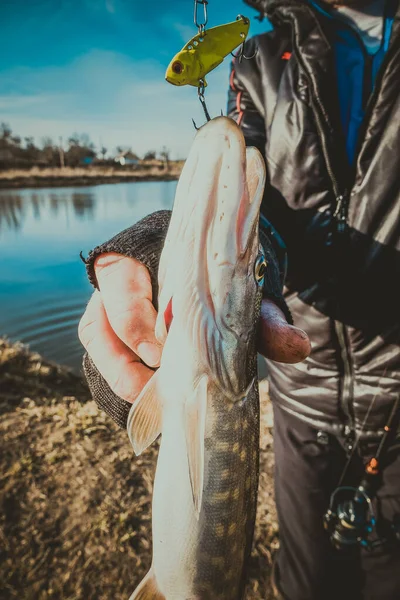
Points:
point(205, 51)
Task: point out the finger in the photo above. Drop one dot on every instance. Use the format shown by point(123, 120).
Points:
point(126, 293)
point(120, 367)
point(278, 340)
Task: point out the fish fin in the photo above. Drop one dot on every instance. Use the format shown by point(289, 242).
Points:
point(148, 589)
point(145, 417)
point(196, 411)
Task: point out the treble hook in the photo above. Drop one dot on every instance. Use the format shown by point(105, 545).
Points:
point(197, 128)
point(241, 55)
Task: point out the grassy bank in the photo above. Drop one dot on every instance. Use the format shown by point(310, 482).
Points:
point(56, 177)
point(74, 502)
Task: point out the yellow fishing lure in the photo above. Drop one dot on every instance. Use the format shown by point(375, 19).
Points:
point(205, 51)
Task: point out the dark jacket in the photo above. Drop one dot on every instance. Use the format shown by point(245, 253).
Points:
point(341, 226)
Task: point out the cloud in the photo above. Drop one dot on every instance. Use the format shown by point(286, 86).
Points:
point(111, 97)
point(97, 66)
point(14, 102)
point(186, 32)
point(110, 6)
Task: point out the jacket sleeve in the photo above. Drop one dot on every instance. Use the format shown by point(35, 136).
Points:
point(241, 107)
point(144, 242)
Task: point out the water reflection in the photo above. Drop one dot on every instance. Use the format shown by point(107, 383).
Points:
point(36, 202)
point(11, 212)
point(83, 204)
point(16, 206)
point(43, 286)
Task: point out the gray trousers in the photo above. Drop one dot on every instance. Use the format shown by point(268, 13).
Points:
point(308, 466)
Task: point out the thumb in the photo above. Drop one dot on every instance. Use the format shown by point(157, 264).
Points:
point(278, 340)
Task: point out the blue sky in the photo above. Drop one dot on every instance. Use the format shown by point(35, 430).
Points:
point(97, 67)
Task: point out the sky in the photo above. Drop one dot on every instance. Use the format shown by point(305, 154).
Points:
point(97, 67)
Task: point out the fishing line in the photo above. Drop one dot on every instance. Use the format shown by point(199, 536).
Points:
point(358, 437)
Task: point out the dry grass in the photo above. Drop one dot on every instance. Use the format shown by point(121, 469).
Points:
point(36, 177)
point(175, 168)
point(75, 504)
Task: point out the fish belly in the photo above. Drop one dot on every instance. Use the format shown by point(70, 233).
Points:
point(175, 526)
point(204, 557)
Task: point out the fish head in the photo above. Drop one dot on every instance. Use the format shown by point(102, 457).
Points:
point(183, 68)
point(212, 268)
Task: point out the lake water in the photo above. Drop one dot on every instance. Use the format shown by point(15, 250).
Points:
point(43, 285)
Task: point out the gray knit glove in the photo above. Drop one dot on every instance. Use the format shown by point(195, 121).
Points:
point(144, 241)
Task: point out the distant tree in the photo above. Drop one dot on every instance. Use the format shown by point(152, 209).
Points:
point(7, 137)
point(31, 152)
point(16, 140)
point(5, 130)
point(29, 142)
point(49, 152)
point(150, 155)
point(61, 152)
point(103, 152)
point(85, 141)
point(80, 150)
point(47, 142)
point(74, 140)
point(7, 154)
point(164, 155)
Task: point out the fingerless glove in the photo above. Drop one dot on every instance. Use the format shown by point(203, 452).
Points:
point(144, 241)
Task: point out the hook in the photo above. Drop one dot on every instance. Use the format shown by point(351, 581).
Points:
point(241, 55)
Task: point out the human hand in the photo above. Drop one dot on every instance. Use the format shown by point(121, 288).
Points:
point(117, 328)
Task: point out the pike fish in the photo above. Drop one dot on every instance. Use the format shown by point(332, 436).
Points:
point(204, 397)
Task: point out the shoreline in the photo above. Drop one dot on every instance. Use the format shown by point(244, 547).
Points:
point(79, 177)
point(55, 182)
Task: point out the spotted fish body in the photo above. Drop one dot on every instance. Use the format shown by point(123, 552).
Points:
point(204, 397)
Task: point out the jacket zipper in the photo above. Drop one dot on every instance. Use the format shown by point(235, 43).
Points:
point(347, 389)
point(340, 214)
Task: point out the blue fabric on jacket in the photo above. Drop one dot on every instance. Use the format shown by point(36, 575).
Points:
point(356, 72)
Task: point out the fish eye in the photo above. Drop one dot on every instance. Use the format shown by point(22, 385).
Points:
point(177, 67)
point(259, 269)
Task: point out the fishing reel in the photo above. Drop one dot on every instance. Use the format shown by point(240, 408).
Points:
point(350, 518)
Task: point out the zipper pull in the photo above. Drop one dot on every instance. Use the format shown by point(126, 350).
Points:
point(340, 214)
